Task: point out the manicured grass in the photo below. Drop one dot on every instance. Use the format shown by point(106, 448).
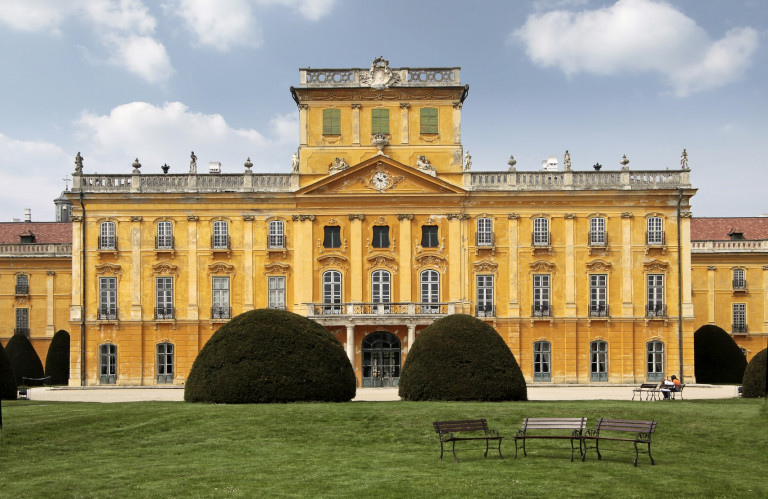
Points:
point(712, 448)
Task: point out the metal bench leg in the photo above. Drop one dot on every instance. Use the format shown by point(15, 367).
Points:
point(597, 449)
point(486, 448)
point(454, 451)
point(441, 450)
point(653, 463)
point(635, 463)
point(501, 456)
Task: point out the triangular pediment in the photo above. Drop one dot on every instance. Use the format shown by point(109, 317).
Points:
point(380, 175)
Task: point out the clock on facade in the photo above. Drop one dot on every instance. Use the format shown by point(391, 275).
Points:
point(380, 180)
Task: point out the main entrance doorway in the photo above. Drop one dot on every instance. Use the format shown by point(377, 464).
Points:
point(381, 359)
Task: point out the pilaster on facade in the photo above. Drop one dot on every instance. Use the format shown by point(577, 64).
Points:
point(355, 124)
point(570, 266)
point(404, 123)
point(627, 265)
point(193, 309)
point(514, 265)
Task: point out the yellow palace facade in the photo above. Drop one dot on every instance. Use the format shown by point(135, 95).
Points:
point(379, 226)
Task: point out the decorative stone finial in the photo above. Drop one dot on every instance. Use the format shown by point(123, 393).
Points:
point(165, 168)
point(136, 165)
point(467, 161)
point(248, 165)
point(624, 162)
point(380, 141)
point(192, 162)
point(567, 161)
point(78, 164)
point(597, 167)
point(683, 160)
point(512, 162)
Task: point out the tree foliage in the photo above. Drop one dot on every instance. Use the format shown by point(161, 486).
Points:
point(717, 358)
point(460, 357)
point(57, 360)
point(753, 384)
point(7, 378)
point(271, 356)
point(24, 359)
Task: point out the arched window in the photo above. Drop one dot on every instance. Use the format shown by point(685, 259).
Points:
point(598, 353)
point(332, 292)
point(542, 361)
point(381, 288)
point(655, 355)
point(430, 292)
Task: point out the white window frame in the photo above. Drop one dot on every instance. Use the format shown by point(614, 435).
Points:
point(739, 314)
point(220, 297)
point(598, 295)
point(484, 306)
point(276, 234)
point(597, 231)
point(541, 231)
point(655, 230)
point(541, 295)
point(220, 234)
point(654, 351)
point(164, 359)
point(276, 292)
point(164, 235)
point(164, 298)
point(739, 280)
point(107, 298)
point(107, 235)
point(332, 292)
point(484, 231)
point(542, 361)
point(429, 283)
point(598, 357)
point(655, 296)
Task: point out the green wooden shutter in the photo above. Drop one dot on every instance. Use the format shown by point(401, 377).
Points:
point(428, 120)
point(331, 122)
point(380, 121)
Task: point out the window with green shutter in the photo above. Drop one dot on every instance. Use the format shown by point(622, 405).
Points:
point(331, 122)
point(428, 120)
point(380, 121)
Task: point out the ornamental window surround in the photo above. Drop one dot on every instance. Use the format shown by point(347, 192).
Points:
point(22, 284)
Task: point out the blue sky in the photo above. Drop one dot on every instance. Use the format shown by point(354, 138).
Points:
point(120, 79)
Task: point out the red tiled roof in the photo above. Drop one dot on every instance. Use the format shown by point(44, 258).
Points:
point(719, 229)
point(44, 232)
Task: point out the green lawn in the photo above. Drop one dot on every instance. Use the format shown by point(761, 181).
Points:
point(715, 448)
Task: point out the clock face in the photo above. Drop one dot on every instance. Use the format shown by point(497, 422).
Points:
point(380, 180)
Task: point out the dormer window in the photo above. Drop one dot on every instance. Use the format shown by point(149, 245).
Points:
point(27, 238)
point(736, 236)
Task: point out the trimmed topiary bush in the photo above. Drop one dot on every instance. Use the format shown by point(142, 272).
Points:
point(7, 378)
point(753, 384)
point(717, 358)
point(57, 360)
point(460, 357)
point(24, 359)
point(271, 356)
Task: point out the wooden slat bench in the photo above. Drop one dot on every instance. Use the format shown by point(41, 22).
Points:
point(642, 434)
point(471, 429)
point(651, 391)
point(575, 427)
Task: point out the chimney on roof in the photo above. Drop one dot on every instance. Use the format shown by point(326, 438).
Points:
point(214, 167)
point(27, 215)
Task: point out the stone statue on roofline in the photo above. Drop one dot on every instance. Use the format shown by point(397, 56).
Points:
point(295, 163)
point(567, 161)
point(467, 161)
point(78, 164)
point(684, 160)
point(423, 165)
point(338, 165)
point(192, 163)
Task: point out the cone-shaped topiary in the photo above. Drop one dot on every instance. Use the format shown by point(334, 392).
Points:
point(717, 358)
point(7, 378)
point(271, 356)
point(57, 360)
point(460, 357)
point(24, 359)
point(753, 384)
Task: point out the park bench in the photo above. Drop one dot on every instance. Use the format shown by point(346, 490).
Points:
point(470, 429)
point(642, 435)
point(23, 390)
point(542, 429)
point(651, 391)
point(677, 391)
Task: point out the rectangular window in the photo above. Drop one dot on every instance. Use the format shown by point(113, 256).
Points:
point(656, 307)
point(598, 352)
point(541, 305)
point(485, 296)
point(22, 284)
point(107, 238)
point(332, 292)
point(739, 318)
point(331, 122)
point(484, 232)
point(108, 364)
point(655, 231)
point(655, 355)
point(220, 298)
point(276, 234)
point(165, 363)
point(598, 295)
point(22, 321)
point(164, 235)
point(381, 236)
point(332, 236)
point(429, 236)
point(276, 292)
point(597, 232)
point(542, 352)
point(164, 298)
point(428, 120)
point(107, 298)
point(541, 232)
point(380, 121)
point(739, 282)
point(220, 235)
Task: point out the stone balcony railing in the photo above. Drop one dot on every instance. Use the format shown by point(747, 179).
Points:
point(354, 77)
point(739, 246)
point(376, 313)
point(192, 182)
point(36, 250)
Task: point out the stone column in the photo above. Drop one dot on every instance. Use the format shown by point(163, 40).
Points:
point(192, 308)
point(303, 278)
point(356, 124)
point(50, 305)
point(411, 336)
point(247, 264)
point(685, 256)
point(711, 269)
point(627, 309)
point(514, 299)
point(136, 268)
point(404, 123)
point(405, 263)
point(570, 267)
point(75, 307)
point(356, 258)
point(351, 344)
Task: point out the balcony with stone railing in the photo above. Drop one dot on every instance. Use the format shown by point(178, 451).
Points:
point(36, 250)
point(185, 183)
point(378, 313)
point(381, 74)
point(577, 180)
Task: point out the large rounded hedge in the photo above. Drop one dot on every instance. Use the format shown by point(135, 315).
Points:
point(24, 359)
point(7, 378)
point(717, 358)
point(57, 360)
point(753, 384)
point(460, 357)
point(271, 356)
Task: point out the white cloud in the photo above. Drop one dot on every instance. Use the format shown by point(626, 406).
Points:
point(222, 24)
point(313, 10)
point(638, 36)
point(34, 15)
point(143, 56)
point(167, 134)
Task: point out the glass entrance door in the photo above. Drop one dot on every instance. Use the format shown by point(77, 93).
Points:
point(381, 359)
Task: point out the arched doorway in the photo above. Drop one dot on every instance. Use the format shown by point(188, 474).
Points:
point(381, 359)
